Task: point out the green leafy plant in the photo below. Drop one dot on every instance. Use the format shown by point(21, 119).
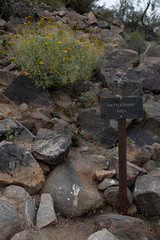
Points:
point(87, 99)
point(1, 47)
point(51, 55)
point(137, 42)
point(10, 134)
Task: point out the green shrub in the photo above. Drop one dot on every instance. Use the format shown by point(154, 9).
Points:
point(82, 6)
point(1, 47)
point(52, 56)
point(87, 99)
point(137, 42)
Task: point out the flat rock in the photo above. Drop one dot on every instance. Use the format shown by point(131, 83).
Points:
point(141, 136)
point(17, 166)
point(96, 128)
point(24, 204)
point(73, 188)
point(46, 214)
point(147, 194)
point(9, 220)
point(122, 227)
point(102, 174)
point(22, 90)
point(30, 235)
point(103, 234)
point(106, 183)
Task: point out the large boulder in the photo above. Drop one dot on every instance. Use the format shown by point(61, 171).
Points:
point(17, 166)
point(30, 235)
point(23, 203)
point(141, 136)
point(97, 129)
point(9, 219)
point(22, 90)
point(73, 189)
point(152, 121)
point(122, 227)
point(118, 73)
point(52, 147)
point(147, 194)
point(149, 74)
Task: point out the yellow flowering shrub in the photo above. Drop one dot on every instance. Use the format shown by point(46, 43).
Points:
point(52, 55)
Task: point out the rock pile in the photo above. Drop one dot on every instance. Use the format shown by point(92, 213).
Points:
point(44, 170)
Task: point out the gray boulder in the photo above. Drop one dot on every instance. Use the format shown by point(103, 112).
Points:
point(73, 189)
point(118, 73)
point(24, 204)
point(30, 235)
point(9, 219)
point(96, 128)
point(147, 194)
point(46, 214)
point(53, 149)
point(122, 227)
point(17, 166)
point(111, 195)
point(103, 234)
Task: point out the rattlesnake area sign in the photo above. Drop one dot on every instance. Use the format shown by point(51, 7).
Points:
point(122, 108)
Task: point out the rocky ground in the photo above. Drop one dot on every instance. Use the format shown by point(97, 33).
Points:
point(59, 165)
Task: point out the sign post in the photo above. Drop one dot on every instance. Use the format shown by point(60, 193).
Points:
point(122, 108)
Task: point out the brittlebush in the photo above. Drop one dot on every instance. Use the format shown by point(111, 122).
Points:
point(52, 55)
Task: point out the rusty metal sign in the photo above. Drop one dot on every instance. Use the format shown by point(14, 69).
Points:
point(122, 108)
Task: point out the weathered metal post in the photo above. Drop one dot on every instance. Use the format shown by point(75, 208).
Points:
point(122, 166)
point(121, 108)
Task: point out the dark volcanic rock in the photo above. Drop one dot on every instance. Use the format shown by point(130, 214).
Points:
point(118, 73)
point(73, 188)
point(147, 194)
point(122, 227)
point(141, 136)
point(97, 128)
point(17, 166)
point(10, 129)
point(22, 90)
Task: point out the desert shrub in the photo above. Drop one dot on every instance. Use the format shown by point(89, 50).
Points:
point(82, 6)
point(52, 55)
point(52, 3)
point(137, 41)
point(1, 47)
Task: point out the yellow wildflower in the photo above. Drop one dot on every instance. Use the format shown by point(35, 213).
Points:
point(21, 37)
point(46, 43)
point(26, 73)
point(11, 58)
point(65, 51)
point(41, 62)
point(59, 42)
point(36, 43)
point(25, 23)
point(28, 41)
point(47, 37)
